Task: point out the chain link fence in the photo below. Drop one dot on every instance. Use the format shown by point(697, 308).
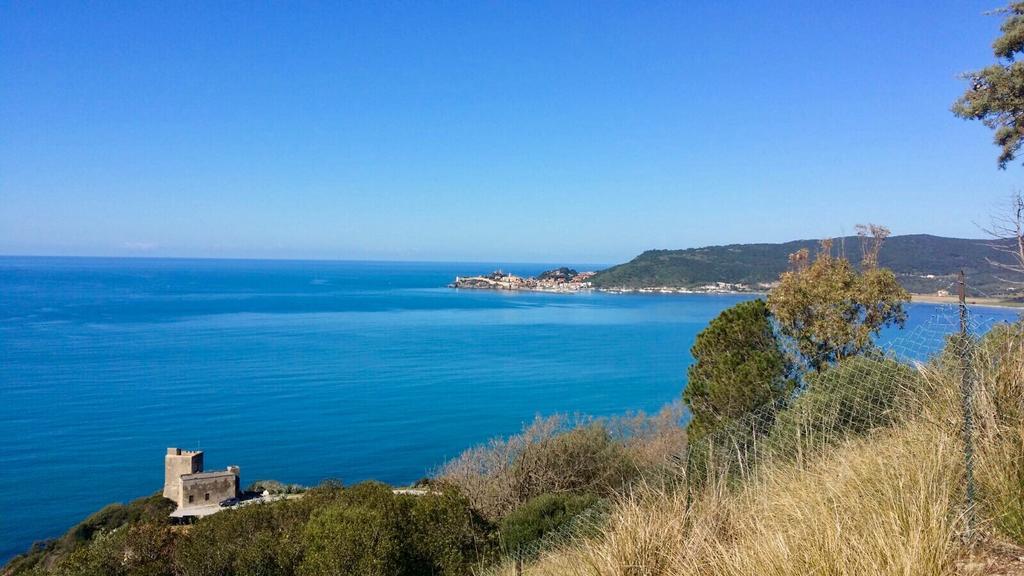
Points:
point(907, 380)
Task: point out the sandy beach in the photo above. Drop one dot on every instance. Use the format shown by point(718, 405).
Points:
point(972, 301)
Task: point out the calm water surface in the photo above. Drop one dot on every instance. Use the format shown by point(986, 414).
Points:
point(299, 371)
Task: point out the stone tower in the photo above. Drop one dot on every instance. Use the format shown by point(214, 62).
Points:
point(177, 463)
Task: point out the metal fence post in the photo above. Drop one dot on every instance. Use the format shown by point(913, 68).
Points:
point(967, 401)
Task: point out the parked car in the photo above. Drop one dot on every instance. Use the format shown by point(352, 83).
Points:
point(229, 502)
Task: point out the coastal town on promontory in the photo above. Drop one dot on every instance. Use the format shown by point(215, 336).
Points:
point(566, 279)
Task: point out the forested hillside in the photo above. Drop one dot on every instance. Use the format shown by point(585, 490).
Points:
point(923, 264)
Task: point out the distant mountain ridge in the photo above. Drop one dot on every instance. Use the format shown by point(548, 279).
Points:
point(923, 263)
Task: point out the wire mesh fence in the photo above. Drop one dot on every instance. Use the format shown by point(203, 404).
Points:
point(928, 375)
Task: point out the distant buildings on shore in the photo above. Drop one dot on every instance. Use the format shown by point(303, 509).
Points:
point(569, 280)
point(557, 280)
point(712, 288)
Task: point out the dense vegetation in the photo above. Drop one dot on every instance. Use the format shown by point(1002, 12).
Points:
point(912, 258)
point(365, 529)
point(495, 498)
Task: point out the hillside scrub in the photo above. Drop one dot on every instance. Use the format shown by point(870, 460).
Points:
point(858, 395)
point(857, 511)
point(560, 455)
point(882, 499)
point(151, 509)
point(365, 529)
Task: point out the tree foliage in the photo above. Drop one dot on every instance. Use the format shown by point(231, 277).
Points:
point(738, 367)
point(996, 93)
point(828, 310)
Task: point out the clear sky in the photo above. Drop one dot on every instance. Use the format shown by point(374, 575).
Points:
point(562, 132)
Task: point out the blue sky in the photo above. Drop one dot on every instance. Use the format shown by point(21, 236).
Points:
point(561, 132)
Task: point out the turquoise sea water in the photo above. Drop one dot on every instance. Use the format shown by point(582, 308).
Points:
point(299, 371)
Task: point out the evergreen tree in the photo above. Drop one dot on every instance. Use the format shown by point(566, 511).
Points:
point(996, 92)
point(738, 367)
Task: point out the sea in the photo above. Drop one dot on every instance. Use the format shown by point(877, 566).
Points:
point(302, 371)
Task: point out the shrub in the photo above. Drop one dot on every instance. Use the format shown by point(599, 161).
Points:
point(448, 536)
point(370, 530)
point(364, 534)
point(540, 516)
point(147, 510)
point(564, 456)
point(264, 539)
point(828, 310)
point(133, 550)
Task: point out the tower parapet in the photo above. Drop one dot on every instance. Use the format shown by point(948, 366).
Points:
point(177, 463)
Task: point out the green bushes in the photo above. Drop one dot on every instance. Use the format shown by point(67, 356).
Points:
point(365, 529)
point(131, 550)
point(275, 487)
point(361, 534)
point(149, 509)
point(371, 531)
point(448, 536)
point(261, 539)
point(540, 516)
point(562, 456)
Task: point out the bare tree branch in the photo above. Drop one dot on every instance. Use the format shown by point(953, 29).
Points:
point(1008, 229)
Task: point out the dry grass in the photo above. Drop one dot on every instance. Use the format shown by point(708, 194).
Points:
point(882, 505)
point(888, 503)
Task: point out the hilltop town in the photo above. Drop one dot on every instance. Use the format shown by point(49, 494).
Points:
point(569, 280)
point(557, 280)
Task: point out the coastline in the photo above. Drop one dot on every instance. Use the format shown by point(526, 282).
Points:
point(984, 301)
point(978, 301)
point(588, 290)
point(567, 280)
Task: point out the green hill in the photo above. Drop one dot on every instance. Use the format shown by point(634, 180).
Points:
point(923, 263)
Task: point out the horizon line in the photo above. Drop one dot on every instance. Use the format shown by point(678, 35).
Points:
point(455, 261)
point(286, 259)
